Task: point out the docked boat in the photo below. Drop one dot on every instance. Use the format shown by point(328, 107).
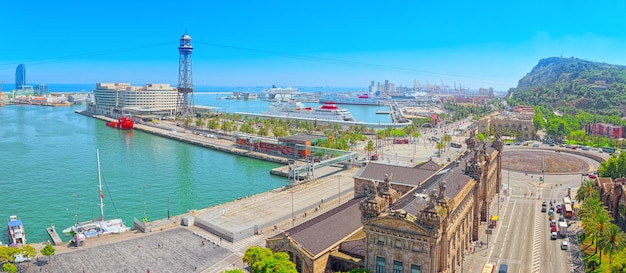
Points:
point(295, 109)
point(279, 94)
point(364, 99)
point(123, 123)
point(98, 226)
point(16, 231)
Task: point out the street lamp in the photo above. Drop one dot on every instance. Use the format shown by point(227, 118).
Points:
point(292, 219)
point(339, 187)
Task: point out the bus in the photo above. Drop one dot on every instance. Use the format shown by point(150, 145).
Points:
point(568, 211)
point(607, 149)
point(567, 201)
point(488, 268)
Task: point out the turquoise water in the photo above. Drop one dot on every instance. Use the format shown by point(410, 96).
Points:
point(48, 155)
point(359, 112)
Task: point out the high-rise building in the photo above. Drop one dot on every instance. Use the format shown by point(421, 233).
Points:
point(20, 77)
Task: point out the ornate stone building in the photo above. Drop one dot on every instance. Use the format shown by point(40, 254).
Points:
point(419, 219)
point(430, 228)
point(515, 124)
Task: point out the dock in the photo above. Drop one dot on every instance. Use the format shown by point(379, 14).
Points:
point(56, 240)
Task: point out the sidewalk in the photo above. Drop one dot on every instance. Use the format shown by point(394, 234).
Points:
point(478, 255)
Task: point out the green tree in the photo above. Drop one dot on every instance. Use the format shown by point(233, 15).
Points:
point(9, 267)
point(612, 241)
point(233, 271)
point(255, 254)
point(358, 270)
point(48, 251)
point(262, 260)
point(447, 139)
point(586, 191)
point(369, 148)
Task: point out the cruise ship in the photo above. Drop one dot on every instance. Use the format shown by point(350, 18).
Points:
point(364, 99)
point(295, 109)
point(279, 94)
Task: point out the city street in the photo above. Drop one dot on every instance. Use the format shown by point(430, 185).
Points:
point(522, 236)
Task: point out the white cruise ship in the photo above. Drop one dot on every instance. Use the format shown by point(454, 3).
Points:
point(295, 109)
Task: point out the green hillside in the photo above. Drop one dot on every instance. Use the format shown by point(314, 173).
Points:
point(597, 88)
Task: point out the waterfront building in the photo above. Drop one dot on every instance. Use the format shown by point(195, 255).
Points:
point(4, 98)
point(42, 89)
point(20, 76)
point(420, 219)
point(151, 100)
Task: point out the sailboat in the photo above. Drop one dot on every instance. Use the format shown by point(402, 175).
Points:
point(98, 226)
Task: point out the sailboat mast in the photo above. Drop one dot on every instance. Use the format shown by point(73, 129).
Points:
point(100, 186)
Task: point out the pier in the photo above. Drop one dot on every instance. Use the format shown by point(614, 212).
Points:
point(56, 239)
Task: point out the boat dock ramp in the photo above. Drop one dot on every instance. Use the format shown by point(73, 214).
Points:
point(56, 239)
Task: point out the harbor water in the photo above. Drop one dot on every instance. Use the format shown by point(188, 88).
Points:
point(48, 168)
point(48, 171)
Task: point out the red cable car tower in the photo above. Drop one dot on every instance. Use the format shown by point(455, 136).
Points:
point(184, 105)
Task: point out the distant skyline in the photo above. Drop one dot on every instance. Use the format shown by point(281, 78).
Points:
point(321, 43)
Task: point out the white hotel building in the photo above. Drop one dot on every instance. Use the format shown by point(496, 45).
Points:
point(151, 100)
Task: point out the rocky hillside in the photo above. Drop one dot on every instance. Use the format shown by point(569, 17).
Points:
point(570, 82)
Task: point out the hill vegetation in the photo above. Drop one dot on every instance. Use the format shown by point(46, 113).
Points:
point(572, 83)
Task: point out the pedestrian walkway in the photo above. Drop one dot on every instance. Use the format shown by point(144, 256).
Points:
point(480, 252)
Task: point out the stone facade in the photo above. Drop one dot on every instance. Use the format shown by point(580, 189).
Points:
point(613, 196)
point(423, 221)
point(431, 231)
point(508, 123)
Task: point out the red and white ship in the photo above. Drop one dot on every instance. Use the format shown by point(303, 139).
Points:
point(295, 109)
point(123, 123)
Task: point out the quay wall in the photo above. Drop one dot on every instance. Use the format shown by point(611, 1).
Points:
point(198, 141)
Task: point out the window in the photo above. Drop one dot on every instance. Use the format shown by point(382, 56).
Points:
point(416, 247)
point(416, 268)
point(397, 267)
point(398, 244)
point(380, 264)
point(380, 240)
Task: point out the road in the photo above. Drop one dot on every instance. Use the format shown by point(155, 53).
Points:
point(522, 238)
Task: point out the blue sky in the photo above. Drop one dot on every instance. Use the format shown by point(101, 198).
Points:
point(305, 43)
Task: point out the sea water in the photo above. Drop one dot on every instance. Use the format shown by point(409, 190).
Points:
point(48, 166)
point(49, 171)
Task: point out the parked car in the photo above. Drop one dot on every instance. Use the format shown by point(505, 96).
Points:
point(564, 245)
point(592, 176)
point(19, 258)
point(554, 236)
point(543, 209)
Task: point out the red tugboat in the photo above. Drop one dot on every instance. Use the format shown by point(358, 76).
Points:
point(123, 123)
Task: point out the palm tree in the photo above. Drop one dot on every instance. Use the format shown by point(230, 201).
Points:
point(586, 191)
point(369, 148)
point(599, 227)
point(589, 207)
point(612, 241)
point(440, 146)
point(447, 139)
